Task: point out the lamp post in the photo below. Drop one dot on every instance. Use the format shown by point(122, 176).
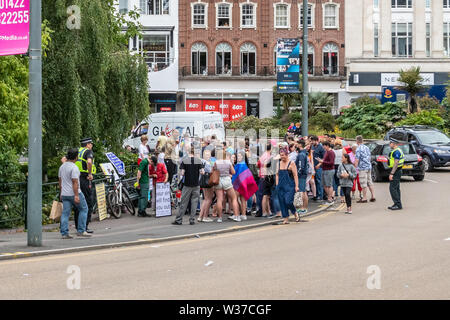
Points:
point(305, 70)
point(34, 186)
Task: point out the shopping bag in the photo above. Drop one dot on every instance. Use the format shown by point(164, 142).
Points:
point(56, 212)
point(298, 201)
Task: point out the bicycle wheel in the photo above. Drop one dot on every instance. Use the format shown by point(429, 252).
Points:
point(113, 206)
point(127, 203)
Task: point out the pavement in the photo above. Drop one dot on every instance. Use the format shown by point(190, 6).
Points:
point(373, 253)
point(127, 231)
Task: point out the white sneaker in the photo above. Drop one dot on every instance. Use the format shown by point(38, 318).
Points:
point(233, 217)
point(243, 218)
point(84, 234)
point(237, 219)
point(207, 220)
point(219, 220)
point(199, 220)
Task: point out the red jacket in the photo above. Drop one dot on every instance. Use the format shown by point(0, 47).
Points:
point(160, 172)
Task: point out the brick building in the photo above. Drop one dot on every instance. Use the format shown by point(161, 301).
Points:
point(227, 49)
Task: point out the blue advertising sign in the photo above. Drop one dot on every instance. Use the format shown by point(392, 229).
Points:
point(288, 65)
point(393, 94)
point(116, 162)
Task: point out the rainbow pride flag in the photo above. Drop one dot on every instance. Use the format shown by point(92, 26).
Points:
point(243, 181)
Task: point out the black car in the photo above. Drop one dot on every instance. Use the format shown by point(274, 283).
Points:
point(414, 165)
point(430, 143)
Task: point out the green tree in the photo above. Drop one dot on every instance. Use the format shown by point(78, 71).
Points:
point(287, 99)
point(319, 100)
point(411, 80)
point(92, 85)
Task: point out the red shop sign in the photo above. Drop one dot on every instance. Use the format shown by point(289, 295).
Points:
point(211, 105)
point(193, 105)
point(238, 109)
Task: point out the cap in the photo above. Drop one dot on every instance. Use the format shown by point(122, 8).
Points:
point(393, 140)
point(86, 140)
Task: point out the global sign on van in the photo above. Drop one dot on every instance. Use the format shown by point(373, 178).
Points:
point(195, 124)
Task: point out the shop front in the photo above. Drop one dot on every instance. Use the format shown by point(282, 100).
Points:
point(163, 102)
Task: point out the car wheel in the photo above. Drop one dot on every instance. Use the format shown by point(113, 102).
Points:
point(427, 164)
point(376, 176)
point(419, 178)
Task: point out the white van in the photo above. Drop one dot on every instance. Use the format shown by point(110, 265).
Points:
point(196, 124)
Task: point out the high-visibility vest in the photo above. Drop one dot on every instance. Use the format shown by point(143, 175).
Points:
point(82, 160)
point(401, 161)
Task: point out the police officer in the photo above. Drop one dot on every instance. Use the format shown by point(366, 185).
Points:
point(396, 161)
point(87, 168)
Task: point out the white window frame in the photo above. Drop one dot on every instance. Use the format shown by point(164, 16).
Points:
point(230, 14)
point(198, 47)
point(204, 26)
point(146, 10)
point(396, 7)
point(337, 10)
point(288, 5)
point(241, 51)
point(313, 20)
point(408, 40)
point(241, 8)
point(335, 47)
point(230, 71)
point(446, 8)
point(447, 50)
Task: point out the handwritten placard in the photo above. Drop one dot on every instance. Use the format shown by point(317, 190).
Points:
point(163, 205)
point(101, 201)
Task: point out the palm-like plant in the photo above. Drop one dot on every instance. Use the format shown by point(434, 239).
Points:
point(319, 99)
point(287, 99)
point(411, 80)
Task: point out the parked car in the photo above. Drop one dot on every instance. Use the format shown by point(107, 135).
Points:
point(413, 166)
point(430, 143)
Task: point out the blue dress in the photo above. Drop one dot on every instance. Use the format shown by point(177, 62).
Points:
point(286, 192)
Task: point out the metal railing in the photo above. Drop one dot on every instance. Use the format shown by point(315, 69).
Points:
point(261, 71)
point(13, 198)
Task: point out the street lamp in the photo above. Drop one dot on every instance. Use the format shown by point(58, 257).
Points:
point(34, 185)
point(305, 70)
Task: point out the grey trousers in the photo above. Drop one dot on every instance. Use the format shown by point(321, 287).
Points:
point(188, 193)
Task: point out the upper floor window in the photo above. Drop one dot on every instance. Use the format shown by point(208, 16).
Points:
point(330, 16)
point(401, 4)
point(402, 39)
point(223, 15)
point(282, 15)
point(376, 38)
point(123, 6)
point(428, 4)
point(248, 59)
point(330, 59)
point(199, 58)
point(446, 4)
point(310, 16)
point(199, 15)
point(155, 7)
point(248, 15)
point(223, 59)
point(155, 48)
point(447, 39)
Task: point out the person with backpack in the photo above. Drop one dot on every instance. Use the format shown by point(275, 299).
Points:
point(303, 165)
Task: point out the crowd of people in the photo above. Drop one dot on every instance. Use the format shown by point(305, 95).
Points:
point(267, 179)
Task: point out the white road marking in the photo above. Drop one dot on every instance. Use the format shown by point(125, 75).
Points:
point(430, 180)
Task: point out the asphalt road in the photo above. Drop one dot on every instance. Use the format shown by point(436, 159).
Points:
point(405, 252)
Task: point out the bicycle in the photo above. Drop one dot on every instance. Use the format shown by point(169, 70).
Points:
point(118, 198)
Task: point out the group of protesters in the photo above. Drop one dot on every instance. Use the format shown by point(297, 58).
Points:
point(265, 178)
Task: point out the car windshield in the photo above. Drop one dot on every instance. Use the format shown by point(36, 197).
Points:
point(406, 148)
point(433, 137)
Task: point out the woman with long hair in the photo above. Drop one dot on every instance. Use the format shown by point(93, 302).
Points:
point(208, 193)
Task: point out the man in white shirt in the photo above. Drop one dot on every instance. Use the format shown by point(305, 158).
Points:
point(71, 195)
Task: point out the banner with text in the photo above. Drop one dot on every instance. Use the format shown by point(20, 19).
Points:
point(14, 27)
point(163, 204)
point(231, 110)
point(288, 65)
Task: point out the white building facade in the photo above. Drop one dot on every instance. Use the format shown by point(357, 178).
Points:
point(159, 47)
point(384, 36)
